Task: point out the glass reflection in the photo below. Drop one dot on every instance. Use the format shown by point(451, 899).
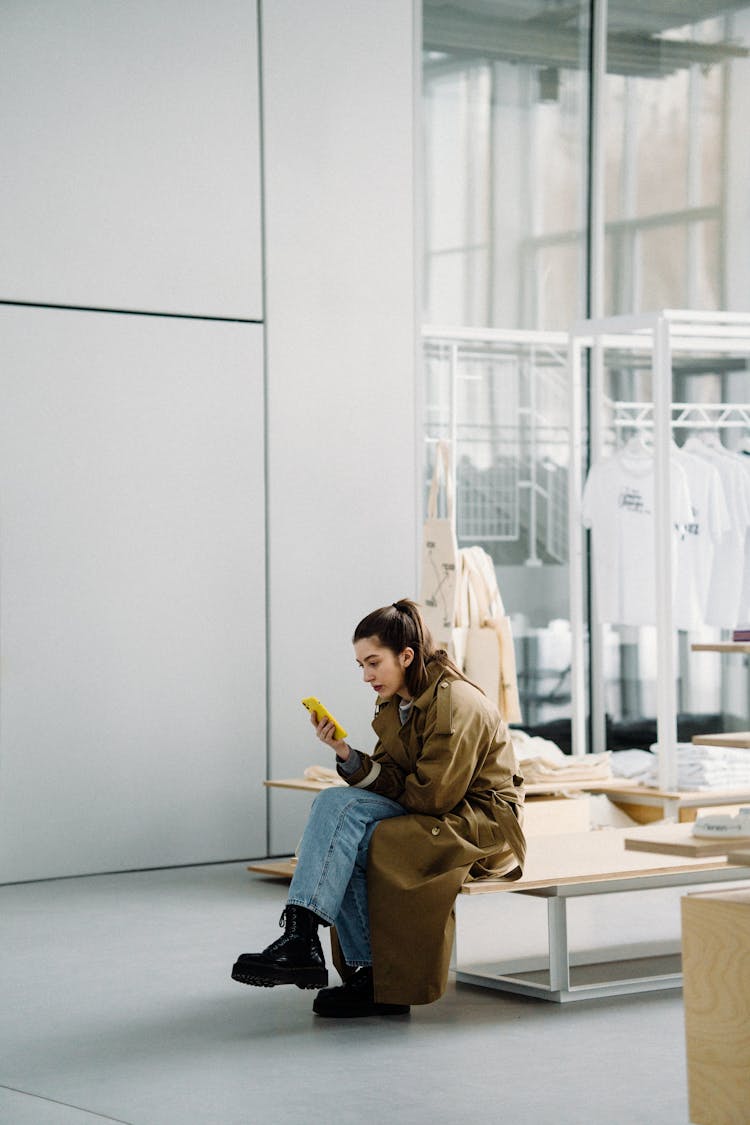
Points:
point(505, 114)
point(507, 170)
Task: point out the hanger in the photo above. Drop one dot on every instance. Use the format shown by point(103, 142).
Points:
point(711, 439)
point(638, 446)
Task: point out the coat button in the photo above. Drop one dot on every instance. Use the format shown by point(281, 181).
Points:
point(436, 831)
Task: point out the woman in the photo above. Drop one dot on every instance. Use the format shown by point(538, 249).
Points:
point(437, 802)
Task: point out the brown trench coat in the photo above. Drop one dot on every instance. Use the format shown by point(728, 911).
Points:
point(452, 765)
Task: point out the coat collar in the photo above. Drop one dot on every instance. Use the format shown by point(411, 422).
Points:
point(434, 675)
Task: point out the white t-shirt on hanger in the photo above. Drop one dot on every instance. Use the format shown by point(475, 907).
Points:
point(618, 507)
point(699, 539)
point(723, 605)
point(743, 616)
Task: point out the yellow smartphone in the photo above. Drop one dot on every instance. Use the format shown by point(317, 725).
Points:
point(313, 704)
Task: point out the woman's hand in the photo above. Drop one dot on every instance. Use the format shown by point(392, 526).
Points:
point(325, 732)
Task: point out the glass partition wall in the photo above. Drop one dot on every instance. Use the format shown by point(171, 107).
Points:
point(505, 113)
point(579, 159)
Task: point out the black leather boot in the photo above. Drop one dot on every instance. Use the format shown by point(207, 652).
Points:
point(355, 998)
point(294, 958)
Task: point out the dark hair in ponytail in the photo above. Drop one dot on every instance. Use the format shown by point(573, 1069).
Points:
point(399, 626)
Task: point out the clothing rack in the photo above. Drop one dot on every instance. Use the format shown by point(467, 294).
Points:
point(535, 368)
point(686, 415)
point(659, 336)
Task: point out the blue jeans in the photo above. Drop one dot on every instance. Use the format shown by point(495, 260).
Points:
point(331, 873)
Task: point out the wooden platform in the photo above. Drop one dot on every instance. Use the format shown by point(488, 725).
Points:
point(739, 739)
point(643, 803)
point(540, 789)
point(686, 798)
point(307, 784)
point(646, 802)
point(677, 839)
point(616, 788)
point(596, 856)
point(723, 646)
point(549, 809)
point(280, 868)
point(599, 856)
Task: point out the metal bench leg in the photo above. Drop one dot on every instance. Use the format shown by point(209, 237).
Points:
point(559, 956)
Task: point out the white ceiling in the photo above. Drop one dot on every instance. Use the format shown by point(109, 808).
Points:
point(548, 32)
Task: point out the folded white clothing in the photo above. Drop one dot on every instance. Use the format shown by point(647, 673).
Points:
point(703, 781)
point(632, 764)
point(688, 752)
point(720, 773)
point(707, 767)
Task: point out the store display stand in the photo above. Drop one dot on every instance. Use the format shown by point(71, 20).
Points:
point(739, 739)
point(659, 336)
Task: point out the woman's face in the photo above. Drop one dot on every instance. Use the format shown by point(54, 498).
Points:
point(382, 668)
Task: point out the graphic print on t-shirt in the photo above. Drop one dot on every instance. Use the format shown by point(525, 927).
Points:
point(724, 596)
point(632, 499)
point(692, 528)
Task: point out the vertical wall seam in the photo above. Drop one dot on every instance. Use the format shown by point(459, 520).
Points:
point(266, 428)
point(417, 275)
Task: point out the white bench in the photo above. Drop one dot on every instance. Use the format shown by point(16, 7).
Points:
point(560, 868)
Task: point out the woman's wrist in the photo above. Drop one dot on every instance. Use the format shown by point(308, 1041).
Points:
point(343, 753)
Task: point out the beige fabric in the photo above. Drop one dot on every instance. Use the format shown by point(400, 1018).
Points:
point(440, 553)
point(483, 637)
point(542, 761)
point(590, 767)
point(323, 773)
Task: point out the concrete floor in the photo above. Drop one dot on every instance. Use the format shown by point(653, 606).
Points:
point(117, 1005)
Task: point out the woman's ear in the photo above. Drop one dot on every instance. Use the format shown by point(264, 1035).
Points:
point(406, 657)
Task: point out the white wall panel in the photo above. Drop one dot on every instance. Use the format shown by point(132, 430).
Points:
point(338, 98)
point(130, 141)
point(132, 613)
